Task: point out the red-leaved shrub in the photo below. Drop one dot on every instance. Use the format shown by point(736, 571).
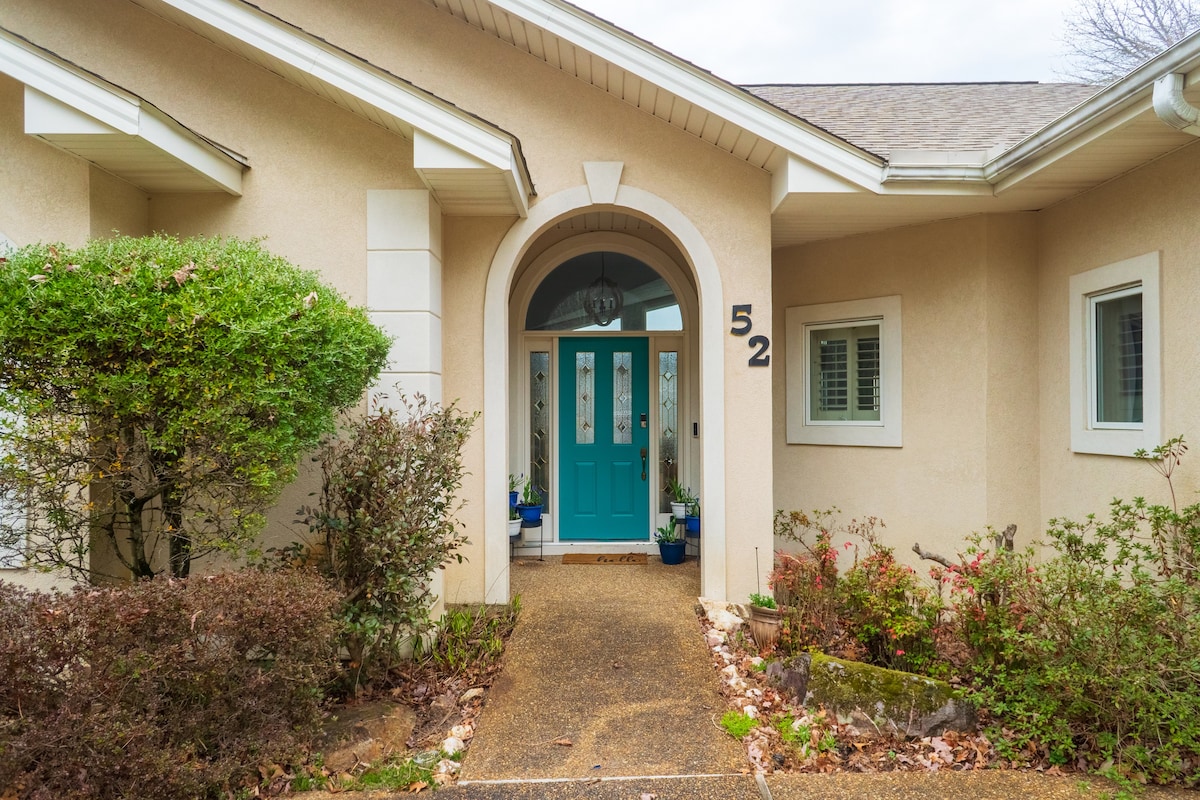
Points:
point(165, 688)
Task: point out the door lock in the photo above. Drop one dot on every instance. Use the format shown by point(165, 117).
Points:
point(644, 454)
point(643, 420)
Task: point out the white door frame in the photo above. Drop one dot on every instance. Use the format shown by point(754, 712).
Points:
point(497, 331)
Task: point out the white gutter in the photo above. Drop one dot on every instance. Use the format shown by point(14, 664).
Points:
point(1114, 104)
point(1171, 106)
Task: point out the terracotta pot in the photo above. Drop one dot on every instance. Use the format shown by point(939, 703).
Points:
point(764, 627)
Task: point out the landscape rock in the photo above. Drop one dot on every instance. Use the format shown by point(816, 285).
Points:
point(366, 733)
point(470, 694)
point(871, 698)
point(725, 621)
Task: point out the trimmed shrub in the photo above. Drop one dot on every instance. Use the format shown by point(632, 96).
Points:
point(385, 521)
point(166, 688)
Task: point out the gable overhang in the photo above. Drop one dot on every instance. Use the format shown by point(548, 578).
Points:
point(471, 166)
point(665, 86)
point(79, 112)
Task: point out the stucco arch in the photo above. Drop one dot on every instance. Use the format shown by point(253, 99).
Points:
point(544, 215)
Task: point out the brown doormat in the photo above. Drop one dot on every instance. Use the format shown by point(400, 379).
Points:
point(604, 558)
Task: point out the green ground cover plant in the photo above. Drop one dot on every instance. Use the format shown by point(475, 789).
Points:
point(737, 723)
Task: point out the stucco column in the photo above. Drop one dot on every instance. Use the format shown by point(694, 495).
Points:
point(404, 297)
point(404, 287)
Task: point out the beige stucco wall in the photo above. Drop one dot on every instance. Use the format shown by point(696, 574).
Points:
point(312, 164)
point(966, 289)
point(1151, 209)
point(45, 190)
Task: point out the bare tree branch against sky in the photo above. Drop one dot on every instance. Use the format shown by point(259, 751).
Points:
point(1106, 39)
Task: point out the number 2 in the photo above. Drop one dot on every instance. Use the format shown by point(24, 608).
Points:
point(760, 358)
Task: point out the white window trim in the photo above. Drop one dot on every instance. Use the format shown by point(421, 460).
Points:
point(1115, 439)
point(799, 320)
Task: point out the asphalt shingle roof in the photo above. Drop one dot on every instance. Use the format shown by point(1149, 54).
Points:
point(883, 118)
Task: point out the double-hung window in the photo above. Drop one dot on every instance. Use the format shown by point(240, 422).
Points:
point(1115, 358)
point(843, 373)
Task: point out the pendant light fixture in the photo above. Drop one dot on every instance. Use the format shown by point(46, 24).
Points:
point(603, 300)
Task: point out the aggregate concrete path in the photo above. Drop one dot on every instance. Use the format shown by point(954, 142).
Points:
point(610, 659)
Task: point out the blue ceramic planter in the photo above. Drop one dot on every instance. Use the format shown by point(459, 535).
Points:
point(671, 552)
point(531, 516)
point(692, 524)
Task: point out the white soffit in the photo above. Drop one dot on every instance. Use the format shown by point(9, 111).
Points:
point(73, 110)
point(470, 165)
point(671, 89)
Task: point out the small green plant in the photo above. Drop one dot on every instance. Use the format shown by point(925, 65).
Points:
point(395, 774)
point(762, 600)
point(530, 495)
point(666, 534)
point(808, 736)
point(471, 638)
point(515, 481)
point(737, 723)
point(679, 493)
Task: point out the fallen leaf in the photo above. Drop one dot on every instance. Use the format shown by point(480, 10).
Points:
point(563, 741)
point(417, 786)
point(648, 796)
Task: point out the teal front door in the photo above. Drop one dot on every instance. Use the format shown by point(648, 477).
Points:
point(603, 401)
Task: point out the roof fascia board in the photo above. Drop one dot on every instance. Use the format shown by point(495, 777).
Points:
point(54, 78)
point(159, 130)
point(1108, 109)
point(358, 78)
point(73, 91)
point(700, 88)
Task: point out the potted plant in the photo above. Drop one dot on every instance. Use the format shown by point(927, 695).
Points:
point(670, 546)
point(764, 621)
point(514, 522)
point(692, 520)
point(530, 506)
point(680, 497)
point(514, 488)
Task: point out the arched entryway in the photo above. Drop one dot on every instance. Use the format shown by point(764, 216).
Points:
point(534, 246)
point(603, 387)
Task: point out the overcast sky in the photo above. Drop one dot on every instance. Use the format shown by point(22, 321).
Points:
point(852, 41)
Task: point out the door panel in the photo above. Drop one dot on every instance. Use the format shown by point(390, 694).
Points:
point(603, 400)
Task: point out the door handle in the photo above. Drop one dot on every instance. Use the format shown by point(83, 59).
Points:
point(644, 454)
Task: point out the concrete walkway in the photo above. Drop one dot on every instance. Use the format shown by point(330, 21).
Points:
point(605, 675)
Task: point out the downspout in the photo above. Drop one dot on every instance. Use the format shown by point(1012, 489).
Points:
point(1171, 106)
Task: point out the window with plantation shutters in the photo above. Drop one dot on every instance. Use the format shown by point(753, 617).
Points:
point(844, 373)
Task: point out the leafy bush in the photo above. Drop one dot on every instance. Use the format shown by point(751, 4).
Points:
point(164, 688)
point(385, 522)
point(156, 394)
point(889, 611)
point(1093, 655)
point(879, 611)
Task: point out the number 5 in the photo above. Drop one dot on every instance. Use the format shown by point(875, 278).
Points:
point(741, 316)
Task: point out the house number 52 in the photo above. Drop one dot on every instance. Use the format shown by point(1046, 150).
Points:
point(759, 344)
